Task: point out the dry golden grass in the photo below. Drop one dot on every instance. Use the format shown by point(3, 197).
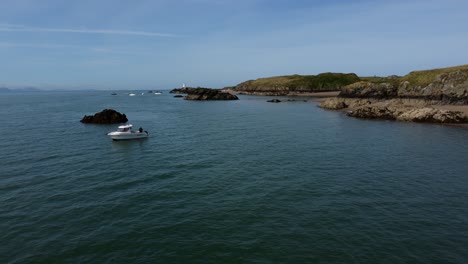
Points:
point(425, 77)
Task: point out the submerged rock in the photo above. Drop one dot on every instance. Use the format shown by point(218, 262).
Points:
point(106, 116)
point(274, 101)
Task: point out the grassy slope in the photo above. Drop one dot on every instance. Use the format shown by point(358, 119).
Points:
point(321, 82)
point(333, 81)
point(424, 78)
point(415, 78)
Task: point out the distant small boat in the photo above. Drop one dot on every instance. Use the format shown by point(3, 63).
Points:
point(157, 93)
point(126, 133)
point(113, 93)
point(131, 94)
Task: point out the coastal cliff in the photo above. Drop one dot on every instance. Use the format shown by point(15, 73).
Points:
point(416, 97)
point(295, 84)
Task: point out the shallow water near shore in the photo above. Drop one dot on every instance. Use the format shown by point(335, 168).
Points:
point(226, 182)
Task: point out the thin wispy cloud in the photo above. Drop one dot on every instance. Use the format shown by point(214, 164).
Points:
point(35, 45)
point(21, 28)
point(77, 48)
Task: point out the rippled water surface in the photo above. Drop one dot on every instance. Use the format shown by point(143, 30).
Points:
point(226, 182)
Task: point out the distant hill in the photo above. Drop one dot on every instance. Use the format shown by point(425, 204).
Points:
point(25, 89)
point(279, 85)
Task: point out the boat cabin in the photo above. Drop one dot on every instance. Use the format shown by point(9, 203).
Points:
point(126, 128)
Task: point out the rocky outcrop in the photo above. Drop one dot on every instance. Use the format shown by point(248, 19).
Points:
point(106, 116)
point(448, 86)
point(417, 97)
point(369, 90)
point(426, 114)
point(206, 94)
point(433, 115)
point(412, 110)
point(338, 103)
point(333, 104)
point(181, 90)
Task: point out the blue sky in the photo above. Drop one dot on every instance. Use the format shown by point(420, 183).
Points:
point(160, 44)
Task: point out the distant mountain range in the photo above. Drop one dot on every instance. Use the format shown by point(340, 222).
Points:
point(25, 89)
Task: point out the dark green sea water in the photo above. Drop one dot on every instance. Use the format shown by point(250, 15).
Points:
point(226, 182)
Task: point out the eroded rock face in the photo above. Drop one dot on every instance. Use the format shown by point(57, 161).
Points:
point(373, 112)
point(449, 88)
point(369, 90)
point(412, 110)
point(338, 103)
point(106, 116)
point(432, 115)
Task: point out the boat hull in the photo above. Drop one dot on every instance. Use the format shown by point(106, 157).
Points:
point(117, 136)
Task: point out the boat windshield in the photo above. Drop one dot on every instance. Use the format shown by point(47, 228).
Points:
point(125, 128)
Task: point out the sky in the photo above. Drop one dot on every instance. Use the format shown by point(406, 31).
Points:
point(161, 44)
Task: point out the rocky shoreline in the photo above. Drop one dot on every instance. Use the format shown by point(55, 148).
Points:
point(434, 96)
point(413, 110)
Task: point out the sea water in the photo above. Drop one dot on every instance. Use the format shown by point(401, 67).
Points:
point(226, 182)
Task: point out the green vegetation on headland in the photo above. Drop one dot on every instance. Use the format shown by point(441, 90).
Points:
point(426, 77)
point(297, 83)
point(449, 85)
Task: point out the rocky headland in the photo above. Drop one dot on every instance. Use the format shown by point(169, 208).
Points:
point(106, 116)
point(295, 84)
point(204, 94)
point(419, 96)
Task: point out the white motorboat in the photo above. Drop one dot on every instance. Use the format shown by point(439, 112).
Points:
point(126, 133)
point(131, 94)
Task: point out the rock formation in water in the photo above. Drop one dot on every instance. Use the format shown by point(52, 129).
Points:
point(106, 116)
point(204, 94)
